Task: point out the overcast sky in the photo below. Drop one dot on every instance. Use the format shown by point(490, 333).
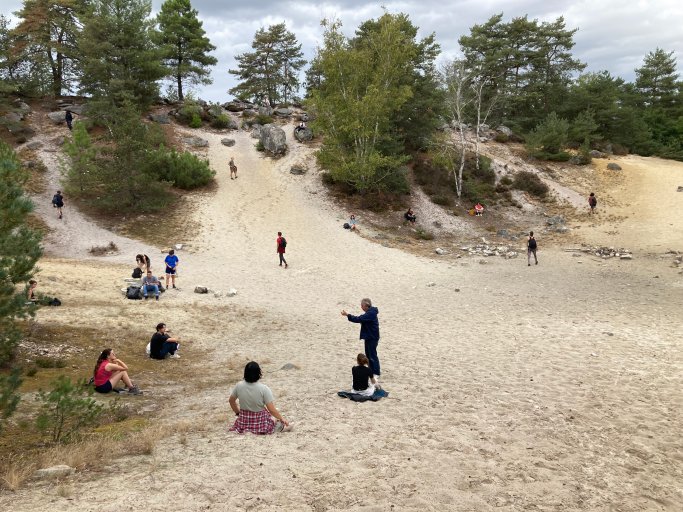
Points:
point(613, 34)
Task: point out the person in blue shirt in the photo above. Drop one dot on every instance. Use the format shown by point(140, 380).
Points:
point(171, 267)
point(369, 332)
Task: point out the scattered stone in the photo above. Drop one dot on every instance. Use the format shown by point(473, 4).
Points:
point(159, 118)
point(504, 130)
point(555, 220)
point(298, 170)
point(53, 472)
point(58, 141)
point(228, 142)
point(218, 295)
point(457, 290)
point(440, 251)
point(231, 292)
point(607, 252)
point(613, 167)
point(303, 134)
point(57, 117)
point(196, 142)
point(431, 283)
point(626, 256)
point(436, 224)
point(201, 289)
point(34, 145)
point(483, 262)
point(679, 189)
point(289, 366)
point(512, 254)
point(597, 154)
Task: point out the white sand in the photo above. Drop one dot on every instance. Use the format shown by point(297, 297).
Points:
point(555, 387)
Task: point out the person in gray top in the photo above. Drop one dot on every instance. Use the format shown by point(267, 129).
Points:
point(256, 405)
point(150, 283)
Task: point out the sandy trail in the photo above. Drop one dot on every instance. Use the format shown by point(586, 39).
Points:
point(554, 387)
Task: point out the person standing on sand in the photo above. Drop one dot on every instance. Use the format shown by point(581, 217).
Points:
point(369, 332)
point(592, 202)
point(281, 246)
point(171, 267)
point(233, 168)
point(69, 118)
point(531, 247)
point(58, 202)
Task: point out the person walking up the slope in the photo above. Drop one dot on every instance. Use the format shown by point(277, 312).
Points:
point(369, 332)
point(281, 246)
point(233, 168)
point(531, 247)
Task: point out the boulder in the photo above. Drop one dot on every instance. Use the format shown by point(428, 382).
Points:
point(235, 106)
point(159, 118)
point(303, 117)
point(282, 112)
point(58, 141)
point(79, 110)
point(23, 107)
point(298, 170)
point(201, 289)
point(34, 145)
point(215, 110)
point(273, 139)
point(440, 251)
point(597, 154)
point(504, 130)
point(232, 125)
point(53, 473)
point(303, 134)
point(11, 117)
point(256, 131)
point(228, 142)
point(196, 142)
point(249, 112)
point(613, 167)
point(265, 110)
point(57, 117)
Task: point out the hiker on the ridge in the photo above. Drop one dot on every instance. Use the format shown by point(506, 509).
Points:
point(369, 332)
point(531, 247)
point(171, 267)
point(281, 244)
point(233, 168)
point(592, 202)
point(58, 202)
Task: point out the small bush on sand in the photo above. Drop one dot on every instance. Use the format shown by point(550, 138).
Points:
point(222, 121)
point(530, 182)
point(196, 121)
point(185, 170)
point(101, 250)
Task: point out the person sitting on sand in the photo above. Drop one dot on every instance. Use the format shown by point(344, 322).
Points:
point(410, 216)
point(255, 405)
point(363, 381)
point(31, 292)
point(352, 223)
point(162, 344)
point(109, 370)
point(478, 209)
point(150, 283)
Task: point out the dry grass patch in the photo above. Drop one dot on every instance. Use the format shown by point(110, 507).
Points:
point(16, 471)
point(103, 250)
point(36, 170)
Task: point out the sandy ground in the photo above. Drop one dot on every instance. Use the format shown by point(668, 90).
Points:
point(551, 387)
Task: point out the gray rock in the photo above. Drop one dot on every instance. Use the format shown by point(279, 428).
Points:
point(282, 112)
point(679, 189)
point(58, 141)
point(201, 289)
point(555, 220)
point(430, 284)
point(298, 170)
point(597, 154)
point(23, 107)
point(159, 118)
point(235, 106)
point(34, 145)
point(613, 167)
point(303, 134)
point(256, 131)
point(11, 117)
point(289, 366)
point(273, 139)
point(218, 295)
point(440, 251)
point(232, 125)
point(79, 110)
point(511, 254)
point(53, 472)
point(265, 110)
point(504, 130)
point(57, 117)
point(228, 142)
point(626, 257)
point(303, 117)
point(196, 142)
point(249, 112)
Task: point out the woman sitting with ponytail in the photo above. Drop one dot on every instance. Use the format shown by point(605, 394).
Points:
point(109, 371)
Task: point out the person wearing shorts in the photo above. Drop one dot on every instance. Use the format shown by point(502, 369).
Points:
point(171, 267)
point(109, 370)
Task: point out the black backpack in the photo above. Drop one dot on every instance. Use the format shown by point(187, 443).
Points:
point(134, 293)
point(347, 225)
point(532, 243)
point(283, 242)
point(593, 201)
point(137, 273)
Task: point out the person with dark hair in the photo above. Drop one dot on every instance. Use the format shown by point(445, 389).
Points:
point(369, 332)
point(31, 292)
point(233, 168)
point(281, 244)
point(58, 202)
point(363, 381)
point(143, 263)
point(171, 267)
point(410, 216)
point(150, 283)
point(592, 202)
point(162, 345)
point(256, 408)
point(109, 370)
point(69, 118)
point(531, 247)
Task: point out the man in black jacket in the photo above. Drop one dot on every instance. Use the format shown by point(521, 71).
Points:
point(162, 344)
point(369, 332)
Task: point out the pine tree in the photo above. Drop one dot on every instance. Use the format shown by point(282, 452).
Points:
point(657, 79)
point(19, 252)
point(185, 45)
point(120, 60)
point(47, 36)
point(272, 70)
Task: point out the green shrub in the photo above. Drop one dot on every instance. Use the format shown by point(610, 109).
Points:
point(441, 199)
point(259, 146)
point(262, 119)
point(423, 235)
point(48, 362)
point(67, 409)
point(188, 111)
point(196, 121)
point(184, 170)
point(549, 137)
point(501, 137)
point(530, 182)
point(506, 180)
point(222, 121)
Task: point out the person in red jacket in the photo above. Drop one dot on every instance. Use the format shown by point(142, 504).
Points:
point(281, 245)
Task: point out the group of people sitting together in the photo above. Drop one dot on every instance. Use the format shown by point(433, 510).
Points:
point(150, 282)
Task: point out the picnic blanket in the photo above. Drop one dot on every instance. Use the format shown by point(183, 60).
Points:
point(377, 395)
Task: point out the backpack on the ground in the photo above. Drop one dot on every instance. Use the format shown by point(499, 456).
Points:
point(137, 273)
point(532, 243)
point(283, 242)
point(134, 293)
point(55, 302)
point(347, 225)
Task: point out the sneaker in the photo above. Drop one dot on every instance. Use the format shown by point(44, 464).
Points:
point(157, 298)
point(146, 297)
point(173, 286)
point(175, 356)
point(528, 264)
point(134, 391)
